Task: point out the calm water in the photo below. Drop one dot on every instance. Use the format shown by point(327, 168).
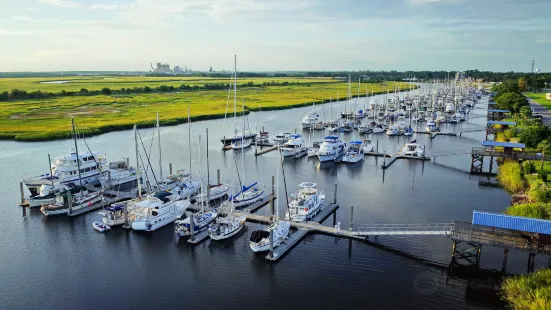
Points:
point(63, 263)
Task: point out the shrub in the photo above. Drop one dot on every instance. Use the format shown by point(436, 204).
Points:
point(529, 167)
point(106, 91)
point(532, 210)
point(528, 292)
point(510, 176)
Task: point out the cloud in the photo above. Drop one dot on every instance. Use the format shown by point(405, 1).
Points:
point(62, 3)
point(543, 39)
point(105, 7)
point(25, 18)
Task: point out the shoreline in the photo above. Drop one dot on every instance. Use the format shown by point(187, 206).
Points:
point(91, 132)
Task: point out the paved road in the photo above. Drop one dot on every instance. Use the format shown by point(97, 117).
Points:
point(541, 110)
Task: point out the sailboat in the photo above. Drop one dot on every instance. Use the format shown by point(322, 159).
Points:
point(78, 201)
point(248, 194)
point(200, 220)
point(228, 226)
point(260, 239)
point(238, 134)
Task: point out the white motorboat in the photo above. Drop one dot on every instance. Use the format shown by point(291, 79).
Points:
point(413, 149)
point(368, 147)
point(187, 188)
point(101, 227)
point(217, 191)
point(78, 201)
point(378, 128)
point(305, 203)
point(260, 239)
point(201, 221)
point(47, 194)
point(241, 144)
point(430, 126)
point(393, 130)
point(226, 227)
point(281, 138)
point(355, 152)
point(333, 127)
point(319, 125)
point(247, 196)
point(294, 146)
point(332, 148)
point(455, 119)
point(120, 173)
point(158, 210)
point(114, 214)
point(65, 171)
point(309, 120)
point(450, 108)
point(408, 131)
point(171, 181)
point(313, 151)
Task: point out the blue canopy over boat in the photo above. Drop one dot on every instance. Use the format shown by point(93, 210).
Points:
point(356, 142)
point(295, 136)
point(244, 189)
point(115, 208)
point(331, 138)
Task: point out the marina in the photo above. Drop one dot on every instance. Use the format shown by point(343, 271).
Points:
point(345, 224)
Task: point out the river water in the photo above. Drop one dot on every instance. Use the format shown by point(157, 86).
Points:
point(63, 263)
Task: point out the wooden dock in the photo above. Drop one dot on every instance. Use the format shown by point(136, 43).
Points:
point(394, 158)
point(266, 150)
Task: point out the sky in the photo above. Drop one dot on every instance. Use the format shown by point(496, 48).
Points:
point(275, 35)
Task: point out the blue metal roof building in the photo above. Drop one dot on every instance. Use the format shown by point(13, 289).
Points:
point(499, 111)
point(512, 222)
point(503, 144)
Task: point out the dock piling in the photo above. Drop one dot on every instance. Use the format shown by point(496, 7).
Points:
point(271, 243)
point(127, 161)
point(218, 175)
point(335, 194)
point(504, 263)
point(351, 222)
point(21, 189)
point(191, 228)
point(170, 168)
point(70, 202)
point(377, 146)
point(109, 178)
point(531, 259)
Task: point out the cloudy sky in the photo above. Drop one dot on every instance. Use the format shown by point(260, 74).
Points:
point(498, 35)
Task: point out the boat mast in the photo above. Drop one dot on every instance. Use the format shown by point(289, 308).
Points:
point(189, 137)
point(137, 162)
point(277, 186)
point(243, 150)
point(235, 95)
point(78, 160)
point(51, 173)
point(159, 144)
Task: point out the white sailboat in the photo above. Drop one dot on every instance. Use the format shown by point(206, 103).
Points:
point(225, 227)
point(260, 239)
point(413, 149)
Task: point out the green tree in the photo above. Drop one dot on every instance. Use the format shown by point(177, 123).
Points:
point(511, 101)
point(533, 135)
point(84, 90)
point(5, 96)
point(522, 84)
point(526, 112)
point(543, 146)
point(106, 91)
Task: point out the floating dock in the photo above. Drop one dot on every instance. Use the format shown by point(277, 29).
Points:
point(396, 157)
point(266, 150)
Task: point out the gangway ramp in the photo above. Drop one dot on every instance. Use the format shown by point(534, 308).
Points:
point(438, 229)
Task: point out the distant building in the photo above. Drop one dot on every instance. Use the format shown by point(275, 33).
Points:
point(161, 68)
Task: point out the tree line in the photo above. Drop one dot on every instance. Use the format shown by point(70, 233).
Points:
point(18, 94)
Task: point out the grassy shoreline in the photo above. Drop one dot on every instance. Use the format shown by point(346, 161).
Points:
point(100, 114)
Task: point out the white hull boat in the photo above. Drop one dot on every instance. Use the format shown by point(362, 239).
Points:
point(355, 152)
point(216, 192)
point(306, 203)
point(260, 239)
point(247, 196)
point(99, 226)
point(158, 210)
point(224, 228)
point(201, 221)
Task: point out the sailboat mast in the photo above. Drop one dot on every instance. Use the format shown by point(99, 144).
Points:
point(76, 150)
point(243, 150)
point(208, 168)
point(51, 173)
point(159, 145)
point(137, 162)
point(189, 137)
point(235, 95)
point(277, 185)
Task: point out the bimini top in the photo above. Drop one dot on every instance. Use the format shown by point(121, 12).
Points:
point(295, 136)
point(503, 144)
point(356, 142)
point(331, 138)
point(307, 184)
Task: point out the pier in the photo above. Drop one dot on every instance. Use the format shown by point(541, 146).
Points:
point(394, 158)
